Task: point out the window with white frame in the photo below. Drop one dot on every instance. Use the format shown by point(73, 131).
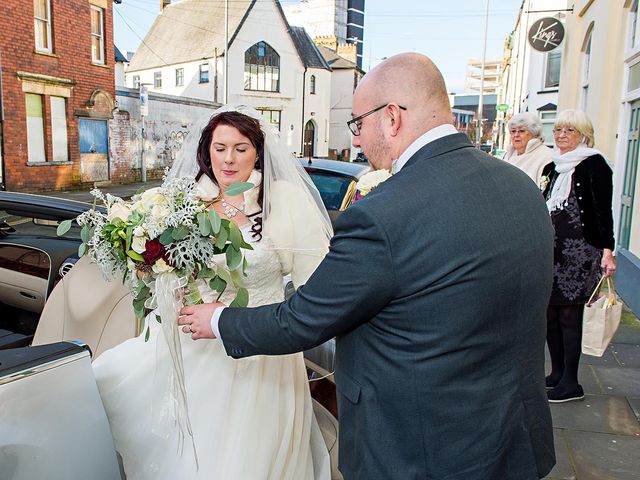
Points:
point(97, 34)
point(136, 81)
point(271, 116)
point(179, 77)
point(548, 120)
point(203, 76)
point(586, 66)
point(35, 128)
point(634, 26)
point(42, 25)
point(59, 129)
point(262, 68)
point(552, 70)
point(157, 79)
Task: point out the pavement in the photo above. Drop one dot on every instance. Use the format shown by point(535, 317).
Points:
point(597, 438)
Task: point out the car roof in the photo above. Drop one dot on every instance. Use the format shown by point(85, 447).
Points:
point(355, 170)
point(42, 207)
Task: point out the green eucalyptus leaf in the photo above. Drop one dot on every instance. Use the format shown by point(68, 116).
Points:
point(241, 300)
point(82, 249)
point(158, 319)
point(64, 227)
point(235, 236)
point(245, 264)
point(206, 273)
point(234, 258)
point(221, 238)
point(203, 224)
point(218, 284)
point(146, 335)
point(167, 236)
point(214, 220)
point(84, 233)
point(224, 274)
point(141, 190)
point(180, 232)
point(236, 279)
point(237, 188)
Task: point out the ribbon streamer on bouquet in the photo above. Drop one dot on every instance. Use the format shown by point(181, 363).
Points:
point(166, 298)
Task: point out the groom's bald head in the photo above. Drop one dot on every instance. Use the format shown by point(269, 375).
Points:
point(416, 101)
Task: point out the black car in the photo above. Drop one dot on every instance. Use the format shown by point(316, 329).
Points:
point(336, 181)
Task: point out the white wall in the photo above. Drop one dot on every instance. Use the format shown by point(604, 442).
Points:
point(342, 86)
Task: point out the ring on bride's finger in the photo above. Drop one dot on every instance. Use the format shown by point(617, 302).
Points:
point(190, 329)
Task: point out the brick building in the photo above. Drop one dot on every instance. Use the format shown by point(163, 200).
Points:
point(56, 92)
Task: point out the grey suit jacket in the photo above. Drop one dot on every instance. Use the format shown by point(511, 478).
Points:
point(435, 287)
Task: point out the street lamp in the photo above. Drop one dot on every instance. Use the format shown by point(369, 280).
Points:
point(484, 58)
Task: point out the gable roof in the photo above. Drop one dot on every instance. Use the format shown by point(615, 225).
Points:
point(307, 50)
point(118, 55)
point(187, 31)
point(334, 60)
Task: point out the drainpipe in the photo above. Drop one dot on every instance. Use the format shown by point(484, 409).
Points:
point(215, 74)
point(304, 94)
point(3, 179)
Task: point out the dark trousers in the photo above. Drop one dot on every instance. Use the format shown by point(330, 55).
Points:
point(564, 338)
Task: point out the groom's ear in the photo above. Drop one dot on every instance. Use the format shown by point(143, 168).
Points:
point(394, 113)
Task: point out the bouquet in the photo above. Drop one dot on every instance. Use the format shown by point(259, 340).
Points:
point(370, 181)
point(167, 231)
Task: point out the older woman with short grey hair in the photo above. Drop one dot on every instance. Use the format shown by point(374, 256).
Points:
point(527, 150)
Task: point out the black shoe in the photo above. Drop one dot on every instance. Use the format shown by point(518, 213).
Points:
point(561, 394)
point(550, 382)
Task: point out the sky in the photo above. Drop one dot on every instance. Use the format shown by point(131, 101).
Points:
point(448, 31)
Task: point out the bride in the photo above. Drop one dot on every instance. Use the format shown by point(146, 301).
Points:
point(249, 419)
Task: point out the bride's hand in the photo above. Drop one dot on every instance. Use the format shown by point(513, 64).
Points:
point(196, 319)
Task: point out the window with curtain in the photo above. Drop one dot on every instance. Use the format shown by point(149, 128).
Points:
point(35, 128)
point(262, 68)
point(552, 72)
point(42, 25)
point(97, 34)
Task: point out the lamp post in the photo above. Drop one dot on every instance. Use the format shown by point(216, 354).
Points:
point(225, 95)
point(484, 59)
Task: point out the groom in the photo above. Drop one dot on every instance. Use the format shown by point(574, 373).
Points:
point(435, 287)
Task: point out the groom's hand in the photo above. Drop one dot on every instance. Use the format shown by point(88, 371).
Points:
point(196, 319)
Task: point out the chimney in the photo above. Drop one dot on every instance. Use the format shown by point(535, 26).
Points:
point(348, 51)
point(164, 3)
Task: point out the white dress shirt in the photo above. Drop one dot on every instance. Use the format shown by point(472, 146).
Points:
point(427, 137)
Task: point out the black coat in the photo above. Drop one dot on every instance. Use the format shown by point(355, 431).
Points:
point(435, 287)
point(593, 187)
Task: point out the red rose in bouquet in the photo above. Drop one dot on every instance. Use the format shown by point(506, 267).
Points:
point(154, 250)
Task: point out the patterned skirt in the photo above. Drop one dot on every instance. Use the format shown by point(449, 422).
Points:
point(576, 263)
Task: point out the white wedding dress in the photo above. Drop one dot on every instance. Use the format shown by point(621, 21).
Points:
point(251, 419)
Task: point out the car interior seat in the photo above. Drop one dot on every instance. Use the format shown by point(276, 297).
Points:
point(83, 306)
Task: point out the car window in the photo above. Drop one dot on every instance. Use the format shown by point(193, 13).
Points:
point(332, 188)
point(18, 225)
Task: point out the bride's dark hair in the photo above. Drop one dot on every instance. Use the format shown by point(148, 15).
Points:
point(247, 126)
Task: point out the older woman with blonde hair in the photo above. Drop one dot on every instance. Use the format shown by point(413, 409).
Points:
point(578, 189)
point(527, 150)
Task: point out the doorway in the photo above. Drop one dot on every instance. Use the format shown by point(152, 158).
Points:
point(309, 139)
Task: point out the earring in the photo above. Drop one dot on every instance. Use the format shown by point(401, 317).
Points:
point(257, 162)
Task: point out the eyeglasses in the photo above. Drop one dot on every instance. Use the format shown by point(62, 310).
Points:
point(355, 124)
point(568, 131)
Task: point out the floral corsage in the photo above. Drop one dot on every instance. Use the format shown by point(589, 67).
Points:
point(369, 182)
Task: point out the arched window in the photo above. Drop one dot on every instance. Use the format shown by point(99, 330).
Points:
point(586, 67)
point(312, 85)
point(262, 68)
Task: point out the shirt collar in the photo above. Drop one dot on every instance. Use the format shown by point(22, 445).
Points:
point(427, 137)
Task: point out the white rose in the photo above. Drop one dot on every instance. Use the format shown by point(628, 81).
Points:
point(161, 266)
point(119, 210)
point(160, 211)
point(152, 197)
point(138, 244)
point(138, 231)
point(371, 180)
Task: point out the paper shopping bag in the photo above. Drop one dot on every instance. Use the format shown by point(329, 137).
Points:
point(600, 320)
